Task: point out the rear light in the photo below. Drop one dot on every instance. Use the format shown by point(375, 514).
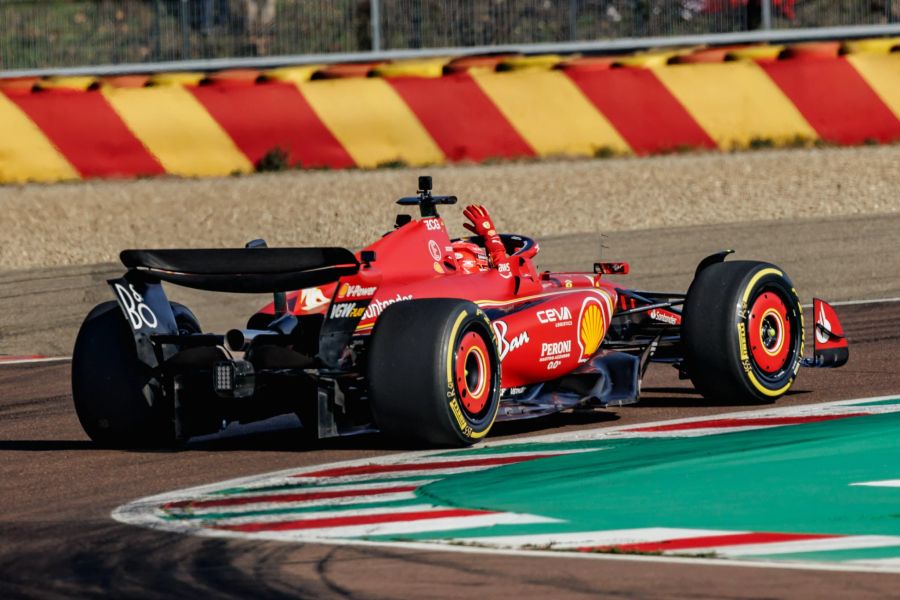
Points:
point(224, 378)
point(234, 379)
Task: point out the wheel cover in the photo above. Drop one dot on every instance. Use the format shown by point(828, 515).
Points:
point(769, 332)
point(473, 373)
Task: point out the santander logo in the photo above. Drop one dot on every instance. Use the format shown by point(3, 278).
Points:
point(505, 346)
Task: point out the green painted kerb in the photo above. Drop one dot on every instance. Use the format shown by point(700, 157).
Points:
point(784, 479)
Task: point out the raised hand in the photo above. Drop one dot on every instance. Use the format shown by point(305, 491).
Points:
point(481, 224)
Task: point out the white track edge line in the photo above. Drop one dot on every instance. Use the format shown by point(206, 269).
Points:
point(25, 361)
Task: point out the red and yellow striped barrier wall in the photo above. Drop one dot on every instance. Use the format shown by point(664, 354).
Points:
point(550, 108)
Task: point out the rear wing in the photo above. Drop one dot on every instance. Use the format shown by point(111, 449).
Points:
point(244, 270)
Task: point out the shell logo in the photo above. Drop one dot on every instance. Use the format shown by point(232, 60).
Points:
point(343, 290)
point(591, 327)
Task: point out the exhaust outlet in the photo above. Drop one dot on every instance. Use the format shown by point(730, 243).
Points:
point(278, 333)
point(239, 340)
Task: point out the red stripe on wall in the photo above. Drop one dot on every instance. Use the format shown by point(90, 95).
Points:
point(280, 498)
point(835, 99)
point(713, 541)
point(641, 109)
point(464, 123)
point(398, 517)
point(760, 422)
point(262, 117)
point(423, 466)
point(89, 133)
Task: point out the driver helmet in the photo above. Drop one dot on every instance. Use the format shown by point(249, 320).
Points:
point(470, 257)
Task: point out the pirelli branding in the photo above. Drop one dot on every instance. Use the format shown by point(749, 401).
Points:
point(742, 342)
point(464, 427)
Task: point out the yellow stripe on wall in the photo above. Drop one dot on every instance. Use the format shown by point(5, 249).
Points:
point(371, 121)
point(882, 73)
point(178, 131)
point(25, 152)
point(549, 111)
point(735, 102)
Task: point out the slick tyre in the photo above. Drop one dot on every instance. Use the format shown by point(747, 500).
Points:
point(186, 321)
point(742, 332)
point(434, 373)
point(117, 401)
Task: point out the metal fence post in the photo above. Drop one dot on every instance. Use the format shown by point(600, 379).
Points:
point(185, 31)
point(375, 20)
point(766, 14)
point(573, 20)
point(416, 34)
point(157, 30)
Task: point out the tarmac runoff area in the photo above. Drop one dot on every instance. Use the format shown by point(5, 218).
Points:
point(62, 488)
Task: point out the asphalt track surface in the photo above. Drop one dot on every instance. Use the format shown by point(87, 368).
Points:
point(57, 538)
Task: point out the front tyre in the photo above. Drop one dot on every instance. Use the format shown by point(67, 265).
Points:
point(742, 332)
point(434, 373)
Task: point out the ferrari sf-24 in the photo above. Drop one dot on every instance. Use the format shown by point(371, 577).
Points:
point(424, 337)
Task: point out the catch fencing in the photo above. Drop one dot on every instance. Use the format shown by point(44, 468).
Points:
point(70, 33)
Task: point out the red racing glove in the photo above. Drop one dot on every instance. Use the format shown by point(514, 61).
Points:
point(482, 225)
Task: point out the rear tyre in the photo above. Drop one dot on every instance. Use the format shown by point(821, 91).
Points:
point(742, 332)
point(434, 374)
point(118, 402)
point(185, 319)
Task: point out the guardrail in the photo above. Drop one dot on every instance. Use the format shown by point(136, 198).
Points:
point(61, 35)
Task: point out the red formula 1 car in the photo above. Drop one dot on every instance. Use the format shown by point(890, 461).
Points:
point(424, 337)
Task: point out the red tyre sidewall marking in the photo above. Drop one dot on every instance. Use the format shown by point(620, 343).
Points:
point(769, 307)
point(472, 346)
